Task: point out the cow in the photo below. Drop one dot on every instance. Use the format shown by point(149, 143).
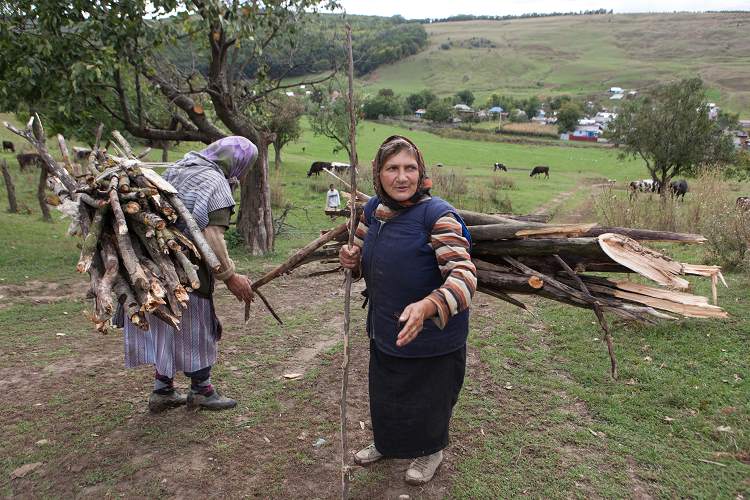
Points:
point(643, 186)
point(500, 166)
point(8, 146)
point(539, 170)
point(317, 167)
point(679, 188)
point(339, 167)
point(28, 159)
point(743, 203)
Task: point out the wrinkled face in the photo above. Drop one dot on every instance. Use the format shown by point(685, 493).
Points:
point(399, 176)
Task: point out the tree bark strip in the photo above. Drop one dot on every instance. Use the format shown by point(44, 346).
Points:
point(41, 196)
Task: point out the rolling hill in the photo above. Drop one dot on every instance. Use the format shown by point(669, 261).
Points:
point(580, 55)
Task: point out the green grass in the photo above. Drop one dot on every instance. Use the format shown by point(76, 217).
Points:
point(582, 56)
point(563, 429)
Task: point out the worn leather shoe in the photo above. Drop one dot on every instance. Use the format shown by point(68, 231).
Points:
point(161, 402)
point(367, 455)
point(215, 401)
point(422, 469)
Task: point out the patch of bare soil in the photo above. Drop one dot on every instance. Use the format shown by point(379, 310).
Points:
point(42, 292)
point(280, 442)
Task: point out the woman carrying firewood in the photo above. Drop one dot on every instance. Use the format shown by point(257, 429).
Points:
point(203, 180)
point(413, 251)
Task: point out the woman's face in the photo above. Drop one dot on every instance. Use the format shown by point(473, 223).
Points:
point(399, 176)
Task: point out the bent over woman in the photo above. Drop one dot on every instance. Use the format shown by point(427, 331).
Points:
point(413, 251)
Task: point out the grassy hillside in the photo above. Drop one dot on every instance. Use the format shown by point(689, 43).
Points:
point(582, 55)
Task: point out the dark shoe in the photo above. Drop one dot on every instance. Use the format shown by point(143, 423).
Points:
point(161, 402)
point(215, 401)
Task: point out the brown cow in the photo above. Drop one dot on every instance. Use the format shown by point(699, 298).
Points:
point(28, 159)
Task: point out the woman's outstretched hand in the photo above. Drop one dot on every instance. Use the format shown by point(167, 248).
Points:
point(413, 318)
point(349, 257)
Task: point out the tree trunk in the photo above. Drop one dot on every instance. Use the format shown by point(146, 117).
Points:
point(41, 196)
point(277, 155)
point(255, 223)
point(165, 152)
point(12, 204)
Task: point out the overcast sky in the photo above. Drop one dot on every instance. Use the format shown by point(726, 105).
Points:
point(443, 8)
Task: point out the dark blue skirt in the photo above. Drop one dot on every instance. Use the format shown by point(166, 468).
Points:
point(411, 401)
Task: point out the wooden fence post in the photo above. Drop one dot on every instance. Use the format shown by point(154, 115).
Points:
point(12, 204)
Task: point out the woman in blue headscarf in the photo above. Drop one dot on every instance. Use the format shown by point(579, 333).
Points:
point(204, 181)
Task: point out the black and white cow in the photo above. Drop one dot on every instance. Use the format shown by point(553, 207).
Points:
point(500, 166)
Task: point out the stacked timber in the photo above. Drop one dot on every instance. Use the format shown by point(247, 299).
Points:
point(128, 215)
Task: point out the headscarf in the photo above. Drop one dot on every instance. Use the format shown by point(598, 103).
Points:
point(234, 155)
point(390, 147)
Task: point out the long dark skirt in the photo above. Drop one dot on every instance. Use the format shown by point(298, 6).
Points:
point(411, 401)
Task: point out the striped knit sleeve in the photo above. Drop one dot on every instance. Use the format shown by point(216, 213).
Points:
point(361, 231)
point(452, 252)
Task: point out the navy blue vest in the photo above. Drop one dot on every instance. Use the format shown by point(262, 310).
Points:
point(400, 267)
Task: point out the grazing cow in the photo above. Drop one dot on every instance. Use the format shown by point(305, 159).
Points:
point(643, 186)
point(743, 203)
point(317, 167)
point(678, 188)
point(339, 167)
point(8, 146)
point(500, 166)
point(28, 159)
point(539, 170)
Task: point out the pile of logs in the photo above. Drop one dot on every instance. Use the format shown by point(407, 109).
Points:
point(519, 255)
point(128, 215)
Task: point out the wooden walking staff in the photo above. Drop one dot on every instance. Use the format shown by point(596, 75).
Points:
point(348, 273)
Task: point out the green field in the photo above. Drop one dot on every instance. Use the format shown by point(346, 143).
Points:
point(582, 56)
point(538, 417)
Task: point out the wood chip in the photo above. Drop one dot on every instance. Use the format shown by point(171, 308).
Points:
point(24, 470)
point(293, 376)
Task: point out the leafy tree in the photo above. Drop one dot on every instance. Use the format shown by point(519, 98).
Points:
point(531, 106)
point(671, 131)
point(465, 97)
point(329, 116)
point(386, 93)
point(557, 102)
point(568, 116)
point(439, 111)
point(283, 122)
point(420, 100)
point(84, 61)
point(383, 105)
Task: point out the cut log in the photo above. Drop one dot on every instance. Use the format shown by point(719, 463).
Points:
point(121, 227)
point(88, 249)
point(200, 241)
point(111, 264)
point(188, 268)
point(124, 183)
point(646, 262)
point(157, 180)
point(583, 247)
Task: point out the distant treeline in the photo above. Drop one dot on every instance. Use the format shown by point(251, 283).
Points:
point(469, 17)
point(319, 44)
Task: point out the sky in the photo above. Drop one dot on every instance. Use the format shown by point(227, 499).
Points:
point(419, 9)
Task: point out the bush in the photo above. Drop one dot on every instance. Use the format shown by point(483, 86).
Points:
point(439, 111)
point(277, 193)
point(708, 209)
point(449, 184)
point(319, 183)
point(503, 183)
point(233, 238)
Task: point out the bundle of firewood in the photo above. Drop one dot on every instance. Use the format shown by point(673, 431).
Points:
point(132, 248)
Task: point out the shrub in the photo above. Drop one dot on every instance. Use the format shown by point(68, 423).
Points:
point(503, 183)
point(319, 183)
point(449, 183)
point(709, 209)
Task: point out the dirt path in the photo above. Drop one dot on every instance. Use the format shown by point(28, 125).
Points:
point(98, 439)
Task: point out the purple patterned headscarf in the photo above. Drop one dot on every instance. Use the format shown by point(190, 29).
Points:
point(234, 154)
